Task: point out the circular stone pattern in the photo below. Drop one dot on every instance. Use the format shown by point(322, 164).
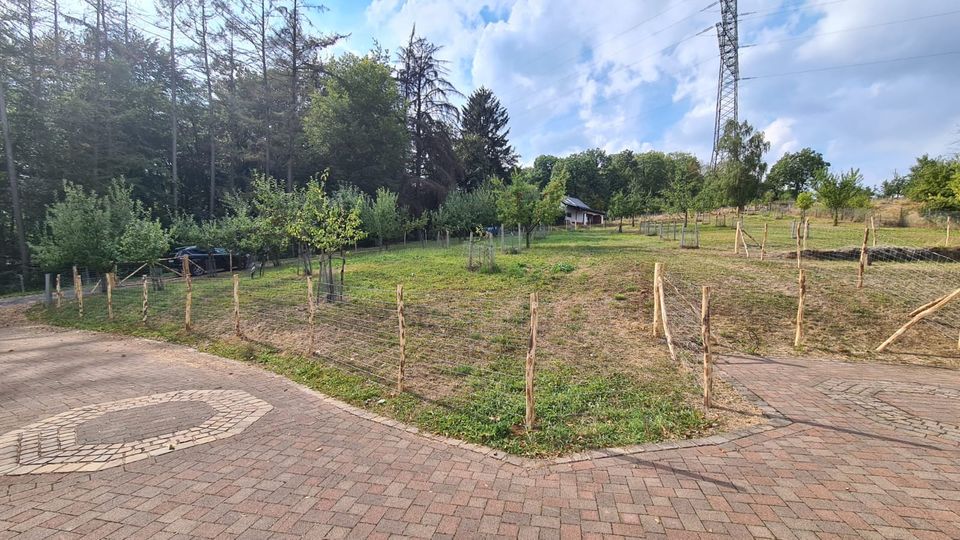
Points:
point(925, 410)
point(106, 435)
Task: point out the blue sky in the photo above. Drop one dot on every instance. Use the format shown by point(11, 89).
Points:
point(605, 73)
point(616, 74)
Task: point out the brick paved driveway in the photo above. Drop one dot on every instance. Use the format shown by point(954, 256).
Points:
point(844, 465)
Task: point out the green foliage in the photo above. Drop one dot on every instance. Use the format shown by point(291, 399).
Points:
point(320, 223)
point(275, 211)
point(357, 123)
point(85, 229)
point(523, 203)
point(680, 195)
point(896, 186)
point(381, 216)
point(795, 172)
point(804, 203)
point(837, 193)
point(143, 240)
point(483, 146)
point(934, 182)
point(742, 167)
point(465, 211)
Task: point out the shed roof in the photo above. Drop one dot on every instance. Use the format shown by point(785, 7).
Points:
point(577, 203)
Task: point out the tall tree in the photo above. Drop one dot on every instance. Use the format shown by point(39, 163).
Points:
point(483, 144)
point(200, 17)
point(431, 117)
point(12, 178)
point(300, 52)
point(742, 166)
point(795, 171)
point(357, 124)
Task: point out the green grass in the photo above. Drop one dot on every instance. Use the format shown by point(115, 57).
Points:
point(600, 380)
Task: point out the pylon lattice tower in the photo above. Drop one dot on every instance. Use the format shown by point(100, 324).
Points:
point(729, 76)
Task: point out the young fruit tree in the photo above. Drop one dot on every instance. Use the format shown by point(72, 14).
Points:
point(839, 192)
point(523, 203)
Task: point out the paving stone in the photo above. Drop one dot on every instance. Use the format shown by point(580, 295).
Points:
point(849, 449)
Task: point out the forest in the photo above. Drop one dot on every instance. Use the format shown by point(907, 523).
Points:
point(181, 109)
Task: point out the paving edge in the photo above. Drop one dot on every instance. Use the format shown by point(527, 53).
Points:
point(772, 419)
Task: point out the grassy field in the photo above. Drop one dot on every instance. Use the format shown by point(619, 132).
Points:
point(601, 379)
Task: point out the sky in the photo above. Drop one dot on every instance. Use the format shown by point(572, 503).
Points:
point(871, 84)
point(633, 74)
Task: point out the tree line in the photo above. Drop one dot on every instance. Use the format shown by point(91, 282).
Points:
point(189, 114)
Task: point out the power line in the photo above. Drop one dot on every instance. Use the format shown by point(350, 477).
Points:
point(853, 29)
point(845, 66)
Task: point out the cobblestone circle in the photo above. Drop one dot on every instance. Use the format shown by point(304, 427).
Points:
point(876, 400)
point(52, 445)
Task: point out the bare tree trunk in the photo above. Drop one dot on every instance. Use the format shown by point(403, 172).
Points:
point(204, 44)
point(14, 185)
point(173, 107)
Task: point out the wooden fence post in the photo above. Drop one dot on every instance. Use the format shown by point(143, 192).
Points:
point(470, 258)
point(806, 232)
point(59, 293)
point(736, 240)
point(188, 305)
point(401, 328)
point(947, 243)
point(312, 309)
point(873, 227)
point(143, 308)
point(802, 282)
point(707, 352)
point(529, 365)
point(236, 304)
point(863, 257)
point(799, 251)
point(666, 324)
point(657, 269)
point(109, 278)
point(78, 290)
point(763, 244)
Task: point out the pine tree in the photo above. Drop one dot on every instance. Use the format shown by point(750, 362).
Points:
point(483, 144)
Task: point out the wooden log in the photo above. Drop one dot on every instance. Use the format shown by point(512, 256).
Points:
point(666, 326)
point(59, 293)
point(401, 328)
point(763, 244)
point(122, 281)
point(145, 304)
point(311, 311)
point(707, 351)
point(928, 305)
point(529, 366)
point(109, 278)
point(657, 269)
point(863, 257)
point(736, 240)
point(236, 305)
point(802, 282)
point(188, 303)
point(917, 318)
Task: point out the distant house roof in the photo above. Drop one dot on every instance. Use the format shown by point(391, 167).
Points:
point(577, 203)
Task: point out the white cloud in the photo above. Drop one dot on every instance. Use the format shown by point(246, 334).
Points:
point(576, 74)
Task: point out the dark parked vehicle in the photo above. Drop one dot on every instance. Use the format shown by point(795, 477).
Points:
point(201, 262)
